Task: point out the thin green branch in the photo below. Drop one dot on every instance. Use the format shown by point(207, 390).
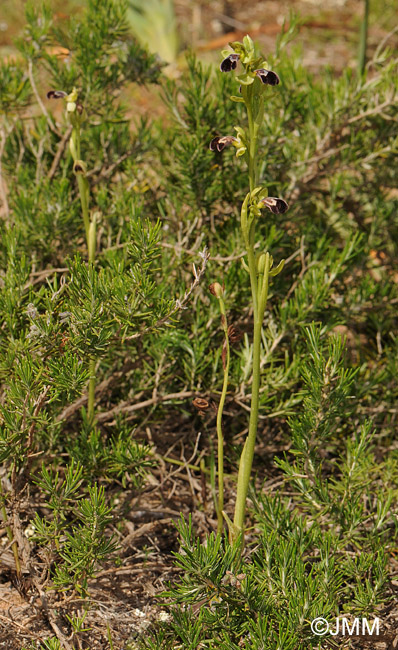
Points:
point(226, 357)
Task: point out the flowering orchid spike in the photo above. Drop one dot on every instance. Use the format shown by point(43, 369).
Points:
point(229, 63)
point(56, 94)
point(220, 142)
point(267, 77)
point(277, 206)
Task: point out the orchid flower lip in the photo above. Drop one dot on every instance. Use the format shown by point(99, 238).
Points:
point(56, 94)
point(267, 77)
point(220, 142)
point(229, 63)
point(276, 205)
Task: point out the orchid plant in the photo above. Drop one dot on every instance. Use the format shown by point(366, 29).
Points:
point(76, 115)
point(253, 81)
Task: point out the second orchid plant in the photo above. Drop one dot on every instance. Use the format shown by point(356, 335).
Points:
point(254, 81)
point(76, 116)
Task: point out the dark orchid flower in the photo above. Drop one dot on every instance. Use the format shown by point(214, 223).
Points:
point(80, 167)
point(220, 142)
point(229, 63)
point(267, 77)
point(277, 206)
point(56, 94)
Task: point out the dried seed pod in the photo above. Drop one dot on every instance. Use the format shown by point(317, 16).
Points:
point(220, 142)
point(224, 355)
point(234, 334)
point(216, 289)
point(229, 63)
point(267, 77)
point(201, 404)
point(277, 206)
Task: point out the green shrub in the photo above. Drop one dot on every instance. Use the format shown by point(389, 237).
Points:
point(324, 488)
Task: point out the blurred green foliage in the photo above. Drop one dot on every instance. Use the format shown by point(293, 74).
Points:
point(330, 144)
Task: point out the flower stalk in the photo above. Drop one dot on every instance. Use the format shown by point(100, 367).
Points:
point(76, 116)
point(217, 290)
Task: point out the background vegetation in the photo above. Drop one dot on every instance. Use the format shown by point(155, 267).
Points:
point(323, 506)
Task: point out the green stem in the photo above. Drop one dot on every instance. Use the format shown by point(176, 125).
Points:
point(247, 226)
point(246, 461)
point(220, 438)
point(251, 258)
point(90, 228)
point(84, 200)
point(81, 180)
point(91, 245)
point(254, 123)
point(253, 136)
point(77, 141)
point(363, 38)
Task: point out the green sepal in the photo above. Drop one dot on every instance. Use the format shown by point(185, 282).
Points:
point(241, 133)
point(237, 48)
point(254, 211)
point(254, 192)
point(234, 98)
point(244, 265)
point(72, 147)
point(241, 144)
point(243, 216)
point(257, 63)
point(262, 195)
point(260, 262)
point(72, 97)
point(277, 269)
point(245, 79)
point(241, 138)
point(248, 44)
